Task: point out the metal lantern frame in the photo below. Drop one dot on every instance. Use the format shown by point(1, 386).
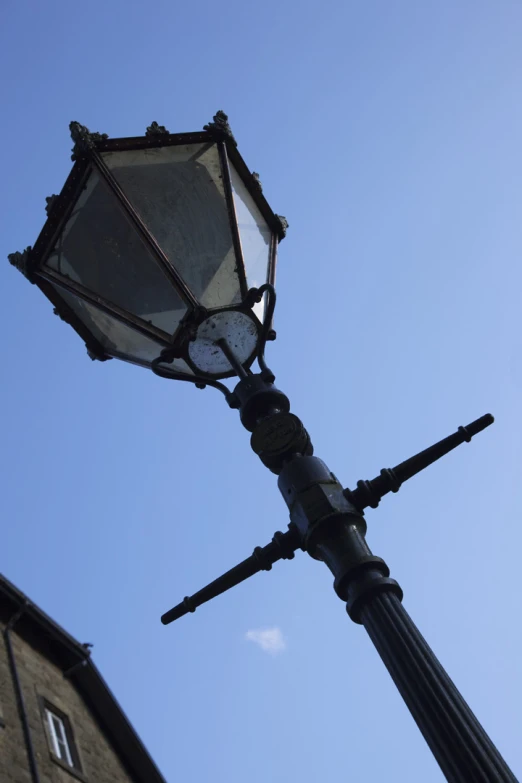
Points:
point(88, 157)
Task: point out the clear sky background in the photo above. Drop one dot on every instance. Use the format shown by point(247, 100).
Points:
point(390, 135)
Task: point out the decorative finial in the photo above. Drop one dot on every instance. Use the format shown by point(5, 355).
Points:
point(154, 130)
point(84, 140)
point(49, 203)
point(95, 356)
point(21, 261)
point(220, 128)
point(255, 177)
point(92, 352)
point(284, 226)
point(61, 315)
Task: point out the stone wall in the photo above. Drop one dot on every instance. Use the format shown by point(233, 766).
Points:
point(40, 679)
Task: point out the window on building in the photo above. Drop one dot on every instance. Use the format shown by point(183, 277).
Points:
point(60, 736)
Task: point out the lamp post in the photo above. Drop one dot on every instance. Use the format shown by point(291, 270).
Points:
point(161, 251)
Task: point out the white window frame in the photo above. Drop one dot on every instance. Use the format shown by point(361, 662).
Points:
point(59, 738)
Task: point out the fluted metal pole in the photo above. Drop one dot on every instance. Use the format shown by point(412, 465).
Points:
point(462, 748)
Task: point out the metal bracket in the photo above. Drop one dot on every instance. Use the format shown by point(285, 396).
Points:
point(370, 493)
point(282, 547)
point(201, 381)
point(313, 512)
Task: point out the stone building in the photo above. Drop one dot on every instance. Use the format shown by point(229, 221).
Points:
point(59, 722)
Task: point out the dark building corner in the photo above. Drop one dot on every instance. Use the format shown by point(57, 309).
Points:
point(59, 720)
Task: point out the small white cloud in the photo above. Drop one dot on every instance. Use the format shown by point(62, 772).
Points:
point(270, 640)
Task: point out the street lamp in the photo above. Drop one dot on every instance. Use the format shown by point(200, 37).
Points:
point(153, 246)
point(161, 251)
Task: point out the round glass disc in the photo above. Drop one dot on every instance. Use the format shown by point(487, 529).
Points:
point(238, 329)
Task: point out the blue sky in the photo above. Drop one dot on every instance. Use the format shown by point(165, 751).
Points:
point(390, 136)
